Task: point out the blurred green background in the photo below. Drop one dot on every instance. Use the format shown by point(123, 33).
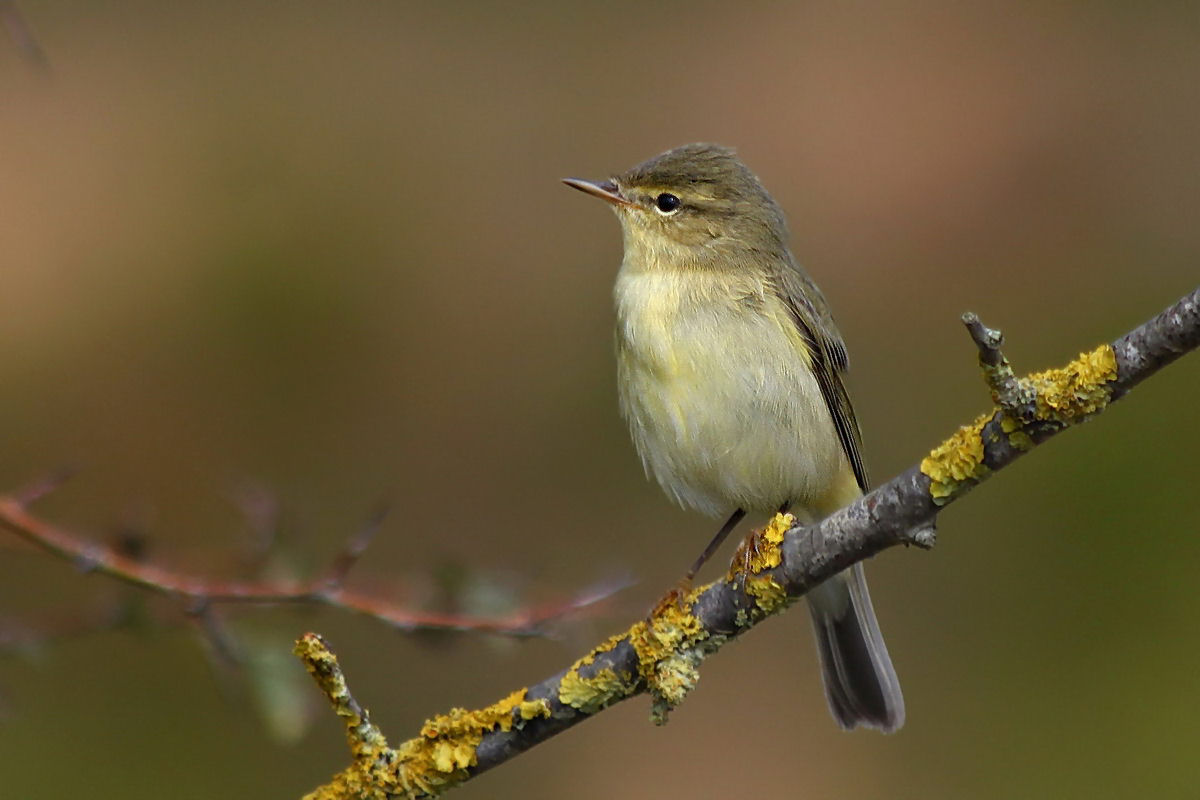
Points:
point(323, 247)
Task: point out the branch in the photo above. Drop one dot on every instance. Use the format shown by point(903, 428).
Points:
point(200, 594)
point(661, 655)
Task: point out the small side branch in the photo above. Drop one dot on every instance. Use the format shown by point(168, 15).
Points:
point(661, 656)
point(367, 742)
point(1006, 389)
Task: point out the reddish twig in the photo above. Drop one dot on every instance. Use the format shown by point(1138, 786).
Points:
point(335, 576)
point(327, 589)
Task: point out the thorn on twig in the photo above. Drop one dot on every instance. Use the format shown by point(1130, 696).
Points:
point(222, 644)
point(988, 340)
point(355, 547)
point(31, 493)
point(260, 507)
point(1007, 390)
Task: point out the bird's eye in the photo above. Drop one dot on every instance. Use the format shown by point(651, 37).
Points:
point(666, 204)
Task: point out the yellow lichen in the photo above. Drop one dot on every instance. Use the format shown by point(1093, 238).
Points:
point(1064, 395)
point(760, 550)
point(1072, 393)
point(757, 554)
point(668, 654)
point(439, 758)
point(498, 715)
point(370, 774)
point(1014, 433)
point(670, 627)
point(449, 756)
point(593, 693)
point(674, 677)
point(956, 462)
point(769, 595)
point(602, 688)
point(354, 781)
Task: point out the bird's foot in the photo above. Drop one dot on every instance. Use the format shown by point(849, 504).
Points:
point(759, 551)
point(675, 599)
point(748, 553)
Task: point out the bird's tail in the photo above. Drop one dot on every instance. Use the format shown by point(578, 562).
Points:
point(860, 682)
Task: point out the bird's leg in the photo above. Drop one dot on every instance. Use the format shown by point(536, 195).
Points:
point(722, 534)
point(676, 595)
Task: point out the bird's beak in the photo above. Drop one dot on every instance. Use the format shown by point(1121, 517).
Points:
point(605, 191)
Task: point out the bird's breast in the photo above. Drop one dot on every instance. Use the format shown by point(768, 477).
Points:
point(716, 385)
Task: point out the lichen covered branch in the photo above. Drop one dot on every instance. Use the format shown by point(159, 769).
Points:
point(661, 655)
point(1006, 389)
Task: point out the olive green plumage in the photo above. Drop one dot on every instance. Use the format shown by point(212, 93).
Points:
point(730, 378)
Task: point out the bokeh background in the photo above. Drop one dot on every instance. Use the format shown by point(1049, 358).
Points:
point(321, 250)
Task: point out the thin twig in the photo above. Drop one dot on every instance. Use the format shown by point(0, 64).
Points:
point(356, 545)
point(31, 492)
point(1007, 391)
point(200, 592)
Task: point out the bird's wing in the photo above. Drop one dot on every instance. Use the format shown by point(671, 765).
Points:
point(828, 353)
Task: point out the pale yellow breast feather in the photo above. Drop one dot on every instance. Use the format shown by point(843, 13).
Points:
point(715, 384)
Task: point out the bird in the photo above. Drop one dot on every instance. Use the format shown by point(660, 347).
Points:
point(730, 376)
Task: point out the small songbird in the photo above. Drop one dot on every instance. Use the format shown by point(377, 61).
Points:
point(729, 368)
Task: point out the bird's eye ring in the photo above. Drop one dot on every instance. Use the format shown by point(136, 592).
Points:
point(666, 204)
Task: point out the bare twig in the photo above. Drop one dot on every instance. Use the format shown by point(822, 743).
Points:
point(221, 642)
point(201, 593)
point(31, 492)
point(355, 547)
point(661, 655)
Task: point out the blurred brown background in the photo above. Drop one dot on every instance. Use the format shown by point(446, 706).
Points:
point(323, 247)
